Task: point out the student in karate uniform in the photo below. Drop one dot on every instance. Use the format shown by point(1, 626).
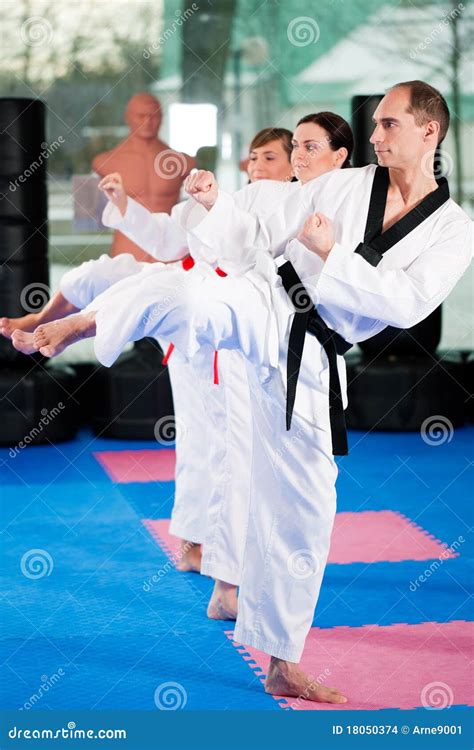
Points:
point(313, 153)
point(375, 246)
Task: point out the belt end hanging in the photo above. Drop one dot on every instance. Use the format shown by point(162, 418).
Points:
point(167, 355)
point(216, 367)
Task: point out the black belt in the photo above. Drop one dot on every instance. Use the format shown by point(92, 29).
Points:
point(308, 320)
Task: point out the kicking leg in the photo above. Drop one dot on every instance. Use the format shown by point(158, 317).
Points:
point(51, 339)
point(78, 287)
point(20, 329)
point(192, 309)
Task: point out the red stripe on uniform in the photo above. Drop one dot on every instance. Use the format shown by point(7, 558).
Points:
point(168, 354)
point(187, 263)
point(216, 368)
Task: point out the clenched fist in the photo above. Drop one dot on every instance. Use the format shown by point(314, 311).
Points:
point(112, 186)
point(317, 235)
point(202, 186)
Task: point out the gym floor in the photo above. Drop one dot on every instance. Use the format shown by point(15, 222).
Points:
point(96, 616)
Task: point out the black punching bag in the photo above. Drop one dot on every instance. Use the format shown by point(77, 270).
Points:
point(127, 400)
point(35, 401)
point(24, 273)
point(363, 108)
point(422, 339)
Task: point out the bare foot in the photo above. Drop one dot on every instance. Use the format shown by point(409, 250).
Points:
point(24, 342)
point(52, 338)
point(57, 307)
point(284, 678)
point(189, 557)
point(223, 602)
point(25, 323)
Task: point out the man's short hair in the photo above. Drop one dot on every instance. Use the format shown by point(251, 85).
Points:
point(426, 103)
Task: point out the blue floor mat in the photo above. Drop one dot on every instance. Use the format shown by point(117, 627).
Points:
point(113, 641)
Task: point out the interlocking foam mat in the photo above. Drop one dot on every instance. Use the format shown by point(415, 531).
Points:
point(96, 616)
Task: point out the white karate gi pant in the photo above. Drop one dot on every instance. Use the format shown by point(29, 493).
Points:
point(230, 424)
point(293, 474)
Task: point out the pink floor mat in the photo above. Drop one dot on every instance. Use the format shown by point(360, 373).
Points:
point(369, 536)
point(138, 466)
point(395, 666)
point(382, 536)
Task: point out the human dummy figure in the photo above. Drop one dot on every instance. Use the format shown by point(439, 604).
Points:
point(152, 172)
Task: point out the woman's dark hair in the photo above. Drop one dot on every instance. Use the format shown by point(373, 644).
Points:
point(273, 134)
point(338, 130)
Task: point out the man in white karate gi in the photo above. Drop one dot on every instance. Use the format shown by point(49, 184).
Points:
point(364, 248)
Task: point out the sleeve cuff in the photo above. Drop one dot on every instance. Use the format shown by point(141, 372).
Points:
point(192, 214)
point(341, 281)
point(306, 263)
point(335, 262)
point(112, 217)
point(212, 222)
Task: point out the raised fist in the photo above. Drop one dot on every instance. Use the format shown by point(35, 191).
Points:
point(317, 235)
point(202, 186)
point(112, 186)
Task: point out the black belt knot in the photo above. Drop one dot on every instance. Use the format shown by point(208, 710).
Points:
point(308, 320)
